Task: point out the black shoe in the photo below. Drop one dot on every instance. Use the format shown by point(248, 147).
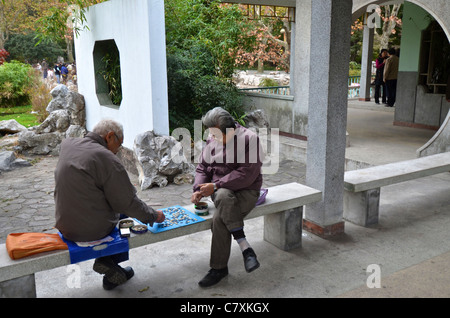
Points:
point(250, 261)
point(213, 277)
point(108, 285)
point(113, 272)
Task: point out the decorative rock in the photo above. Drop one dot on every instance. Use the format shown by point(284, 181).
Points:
point(40, 144)
point(67, 119)
point(73, 102)
point(8, 142)
point(58, 120)
point(11, 126)
point(76, 131)
point(9, 161)
point(244, 80)
point(158, 161)
point(256, 119)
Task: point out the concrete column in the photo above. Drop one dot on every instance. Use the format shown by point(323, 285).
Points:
point(366, 62)
point(300, 80)
point(292, 59)
point(284, 229)
point(327, 115)
point(362, 208)
point(21, 287)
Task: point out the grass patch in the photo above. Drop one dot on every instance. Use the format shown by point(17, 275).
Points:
point(22, 114)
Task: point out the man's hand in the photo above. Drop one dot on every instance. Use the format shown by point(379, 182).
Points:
point(161, 217)
point(196, 196)
point(206, 189)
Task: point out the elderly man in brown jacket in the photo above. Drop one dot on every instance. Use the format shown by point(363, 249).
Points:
point(390, 76)
point(92, 189)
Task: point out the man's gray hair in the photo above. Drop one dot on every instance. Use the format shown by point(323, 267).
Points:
point(105, 126)
point(219, 117)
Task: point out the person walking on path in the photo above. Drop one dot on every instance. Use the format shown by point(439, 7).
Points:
point(57, 70)
point(44, 66)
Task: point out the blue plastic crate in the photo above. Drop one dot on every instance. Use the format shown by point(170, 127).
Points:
point(79, 254)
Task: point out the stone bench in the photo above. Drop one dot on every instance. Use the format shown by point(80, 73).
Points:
point(362, 187)
point(283, 217)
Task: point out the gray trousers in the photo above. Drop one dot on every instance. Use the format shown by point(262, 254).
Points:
point(231, 209)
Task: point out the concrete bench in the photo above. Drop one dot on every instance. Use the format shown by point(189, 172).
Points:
point(283, 217)
point(362, 187)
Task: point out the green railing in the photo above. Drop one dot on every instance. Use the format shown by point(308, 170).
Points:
point(274, 90)
point(354, 83)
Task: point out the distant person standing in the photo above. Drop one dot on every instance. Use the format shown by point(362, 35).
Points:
point(390, 76)
point(64, 73)
point(379, 81)
point(44, 67)
point(57, 70)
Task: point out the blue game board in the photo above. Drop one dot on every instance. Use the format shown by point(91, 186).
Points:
point(176, 216)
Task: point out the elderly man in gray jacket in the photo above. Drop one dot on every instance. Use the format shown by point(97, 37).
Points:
point(92, 189)
point(230, 172)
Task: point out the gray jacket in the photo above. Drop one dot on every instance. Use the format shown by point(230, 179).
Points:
point(92, 188)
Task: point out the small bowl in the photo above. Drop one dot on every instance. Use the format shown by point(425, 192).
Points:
point(201, 208)
point(139, 229)
point(126, 224)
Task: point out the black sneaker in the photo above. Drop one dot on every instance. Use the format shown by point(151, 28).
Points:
point(108, 285)
point(250, 261)
point(213, 277)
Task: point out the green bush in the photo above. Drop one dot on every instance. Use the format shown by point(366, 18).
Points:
point(268, 82)
point(14, 81)
point(111, 75)
point(194, 88)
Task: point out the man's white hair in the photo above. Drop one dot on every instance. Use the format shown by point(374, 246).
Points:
point(105, 126)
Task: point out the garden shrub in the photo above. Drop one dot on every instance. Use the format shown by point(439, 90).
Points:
point(39, 93)
point(14, 81)
point(268, 82)
point(194, 88)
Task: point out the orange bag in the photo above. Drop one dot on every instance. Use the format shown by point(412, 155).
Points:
point(20, 245)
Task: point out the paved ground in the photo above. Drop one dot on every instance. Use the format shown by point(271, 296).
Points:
point(408, 246)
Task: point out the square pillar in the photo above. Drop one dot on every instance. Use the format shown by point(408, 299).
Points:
point(21, 287)
point(327, 115)
point(284, 229)
point(362, 208)
point(300, 67)
point(366, 62)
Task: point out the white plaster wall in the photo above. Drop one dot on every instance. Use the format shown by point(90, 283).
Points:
point(137, 27)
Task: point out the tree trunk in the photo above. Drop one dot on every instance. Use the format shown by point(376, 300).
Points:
point(389, 25)
point(260, 66)
point(69, 47)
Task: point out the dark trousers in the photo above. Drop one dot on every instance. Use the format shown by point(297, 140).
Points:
point(391, 88)
point(118, 258)
point(232, 208)
point(378, 88)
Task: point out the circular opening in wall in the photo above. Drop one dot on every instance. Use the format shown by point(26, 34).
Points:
point(108, 83)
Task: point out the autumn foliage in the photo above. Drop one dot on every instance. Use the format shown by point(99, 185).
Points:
point(3, 55)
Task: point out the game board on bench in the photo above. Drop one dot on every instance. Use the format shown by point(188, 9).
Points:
point(176, 216)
